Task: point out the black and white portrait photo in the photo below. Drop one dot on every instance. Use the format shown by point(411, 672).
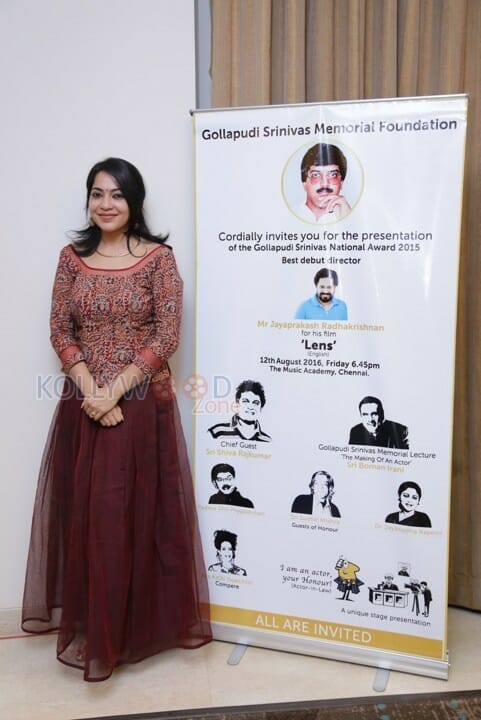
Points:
point(409, 496)
point(245, 423)
point(225, 543)
point(374, 429)
point(223, 478)
point(319, 500)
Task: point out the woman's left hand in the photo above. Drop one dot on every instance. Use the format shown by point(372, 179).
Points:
point(112, 418)
point(96, 406)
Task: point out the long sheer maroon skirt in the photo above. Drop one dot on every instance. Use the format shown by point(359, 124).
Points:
point(115, 561)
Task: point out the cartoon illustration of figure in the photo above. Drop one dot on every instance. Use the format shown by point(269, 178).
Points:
point(347, 580)
point(415, 587)
point(388, 583)
point(427, 596)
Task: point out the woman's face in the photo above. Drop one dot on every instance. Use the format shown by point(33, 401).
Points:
point(409, 499)
point(108, 207)
point(226, 553)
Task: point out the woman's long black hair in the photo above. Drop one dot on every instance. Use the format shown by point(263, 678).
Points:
point(132, 186)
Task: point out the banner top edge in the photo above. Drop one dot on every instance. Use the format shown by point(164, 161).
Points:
point(195, 111)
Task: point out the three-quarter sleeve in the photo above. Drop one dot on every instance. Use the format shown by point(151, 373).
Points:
point(62, 322)
point(167, 306)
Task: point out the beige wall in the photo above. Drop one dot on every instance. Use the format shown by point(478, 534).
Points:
point(78, 81)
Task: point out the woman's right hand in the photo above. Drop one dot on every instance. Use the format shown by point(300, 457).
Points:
point(112, 417)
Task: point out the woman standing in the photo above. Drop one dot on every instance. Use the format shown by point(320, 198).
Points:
point(115, 560)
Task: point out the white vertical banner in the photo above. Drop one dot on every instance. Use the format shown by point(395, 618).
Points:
point(327, 271)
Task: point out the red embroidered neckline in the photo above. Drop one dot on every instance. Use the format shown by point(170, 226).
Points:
point(89, 268)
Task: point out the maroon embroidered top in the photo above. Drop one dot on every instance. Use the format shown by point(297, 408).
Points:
point(111, 318)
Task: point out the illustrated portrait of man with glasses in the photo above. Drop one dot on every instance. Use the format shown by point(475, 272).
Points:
point(224, 480)
point(323, 170)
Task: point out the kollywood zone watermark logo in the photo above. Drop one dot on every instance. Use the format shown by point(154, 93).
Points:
point(195, 387)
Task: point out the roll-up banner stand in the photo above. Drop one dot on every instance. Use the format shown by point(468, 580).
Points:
point(327, 271)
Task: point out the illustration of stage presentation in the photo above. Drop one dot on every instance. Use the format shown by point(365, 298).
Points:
point(327, 241)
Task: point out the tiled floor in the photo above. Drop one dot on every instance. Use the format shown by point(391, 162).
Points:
point(34, 686)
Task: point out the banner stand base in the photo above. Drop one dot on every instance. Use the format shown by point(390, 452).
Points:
point(379, 659)
point(380, 680)
point(237, 654)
